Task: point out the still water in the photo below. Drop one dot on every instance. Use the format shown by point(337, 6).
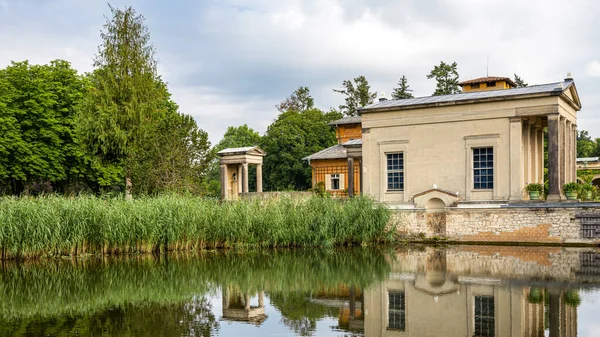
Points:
point(412, 291)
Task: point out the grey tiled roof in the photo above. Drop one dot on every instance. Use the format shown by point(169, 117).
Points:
point(347, 120)
point(334, 152)
point(466, 97)
point(352, 142)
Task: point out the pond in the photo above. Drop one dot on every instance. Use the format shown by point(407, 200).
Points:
point(407, 291)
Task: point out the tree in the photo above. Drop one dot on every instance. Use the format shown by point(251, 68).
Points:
point(299, 100)
point(586, 147)
point(38, 147)
point(176, 158)
point(402, 91)
point(126, 99)
point(446, 76)
point(520, 82)
point(292, 136)
point(357, 95)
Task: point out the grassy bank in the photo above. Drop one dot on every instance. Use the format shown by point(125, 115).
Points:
point(54, 226)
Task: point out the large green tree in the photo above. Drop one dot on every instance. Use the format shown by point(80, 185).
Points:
point(357, 94)
point(38, 147)
point(175, 158)
point(127, 99)
point(446, 76)
point(291, 137)
point(402, 91)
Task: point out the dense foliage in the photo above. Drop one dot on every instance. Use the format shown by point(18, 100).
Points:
point(293, 136)
point(51, 226)
point(38, 145)
point(446, 77)
point(358, 94)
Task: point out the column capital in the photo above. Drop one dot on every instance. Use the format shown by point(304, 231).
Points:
point(553, 117)
point(515, 119)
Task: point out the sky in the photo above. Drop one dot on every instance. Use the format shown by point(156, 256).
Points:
point(229, 62)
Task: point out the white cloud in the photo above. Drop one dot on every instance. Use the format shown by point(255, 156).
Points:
point(593, 69)
point(231, 61)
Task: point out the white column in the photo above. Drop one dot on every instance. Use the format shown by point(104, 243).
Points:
point(535, 155)
point(224, 182)
point(526, 152)
point(259, 178)
point(244, 178)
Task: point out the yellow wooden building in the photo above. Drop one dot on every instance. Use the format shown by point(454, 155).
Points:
point(330, 167)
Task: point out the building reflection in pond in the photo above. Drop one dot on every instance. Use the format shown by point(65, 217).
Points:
point(237, 307)
point(434, 302)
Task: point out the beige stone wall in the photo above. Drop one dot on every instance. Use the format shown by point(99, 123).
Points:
point(550, 225)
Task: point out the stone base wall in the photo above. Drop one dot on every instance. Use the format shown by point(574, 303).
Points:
point(533, 225)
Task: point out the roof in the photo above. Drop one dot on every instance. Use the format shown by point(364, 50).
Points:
point(353, 142)
point(347, 120)
point(550, 89)
point(487, 79)
point(335, 152)
point(240, 150)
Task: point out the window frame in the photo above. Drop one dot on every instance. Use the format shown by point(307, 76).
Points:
point(335, 177)
point(400, 313)
point(398, 170)
point(488, 166)
point(478, 141)
point(475, 86)
point(486, 319)
point(491, 84)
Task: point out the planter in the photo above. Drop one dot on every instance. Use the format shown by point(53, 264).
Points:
point(534, 195)
point(571, 195)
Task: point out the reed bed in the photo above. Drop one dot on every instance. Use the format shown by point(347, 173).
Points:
point(58, 226)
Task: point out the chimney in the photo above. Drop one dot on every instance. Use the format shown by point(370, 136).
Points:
point(569, 77)
point(382, 97)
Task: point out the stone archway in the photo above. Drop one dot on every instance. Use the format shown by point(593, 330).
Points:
point(435, 204)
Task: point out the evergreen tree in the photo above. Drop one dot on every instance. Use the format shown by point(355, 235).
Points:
point(520, 82)
point(126, 100)
point(357, 95)
point(446, 76)
point(402, 91)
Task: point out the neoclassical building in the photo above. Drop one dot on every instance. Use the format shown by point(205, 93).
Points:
point(482, 145)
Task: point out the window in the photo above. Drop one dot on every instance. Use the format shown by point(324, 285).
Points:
point(490, 84)
point(395, 171)
point(396, 311)
point(335, 181)
point(484, 316)
point(475, 86)
point(483, 168)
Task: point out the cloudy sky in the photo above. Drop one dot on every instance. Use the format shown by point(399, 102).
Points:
point(229, 62)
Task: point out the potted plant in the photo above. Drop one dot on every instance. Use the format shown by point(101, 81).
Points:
point(534, 190)
point(587, 190)
point(570, 190)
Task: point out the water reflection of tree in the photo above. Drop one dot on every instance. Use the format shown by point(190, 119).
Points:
point(194, 319)
point(298, 313)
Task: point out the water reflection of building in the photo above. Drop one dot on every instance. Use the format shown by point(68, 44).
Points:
point(436, 303)
point(237, 307)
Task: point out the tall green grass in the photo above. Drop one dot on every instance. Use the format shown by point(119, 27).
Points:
point(54, 226)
